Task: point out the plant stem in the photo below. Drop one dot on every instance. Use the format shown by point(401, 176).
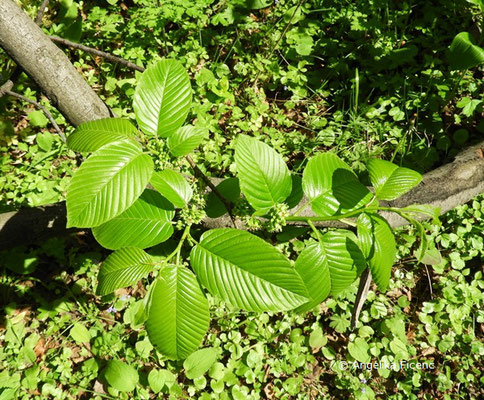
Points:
point(318, 235)
point(346, 215)
point(177, 251)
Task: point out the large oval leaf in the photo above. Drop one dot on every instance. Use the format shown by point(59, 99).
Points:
point(332, 187)
point(92, 135)
point(146, 223)
point(264, 177)
point(162, 98)
point(107, 184)
point(185, 139)
point(378, 241)
point(246, 271)
point(463, 53)
point(344, 258)
point(314, 271)
point(121, 376)
point(173, 186)
point(178, 313)
point(329, 266)
point(391, 181)
point(123, 268)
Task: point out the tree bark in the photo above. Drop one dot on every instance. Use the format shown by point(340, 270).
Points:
point(48, 66)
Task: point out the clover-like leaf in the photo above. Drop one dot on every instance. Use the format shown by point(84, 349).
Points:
point(332, 187)
point(162, 98)
point(178, 314)
point(146, 223)
point(107, 184)
point(391, 181)
point(246, 271)
point(264, 177)
point(92, 135)
point(123, 268)
point(173, 186)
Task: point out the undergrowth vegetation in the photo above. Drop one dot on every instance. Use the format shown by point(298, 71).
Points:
point(367, 79)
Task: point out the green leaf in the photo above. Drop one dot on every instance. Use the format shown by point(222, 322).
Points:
point(431, 256)
point(359, 350)
point(463, 53)
point(38, 119)
point(317, 338)
point(330, 265)
point(313, 268)
point(121, 376)
point(246, 271)
point(173, 186)
point(425, 209)
point(391, 181)
point(146, 223)
point(199, 362)
point(123, 268)
point(296, 192)
point(185, 139)
point(230, 189)
point(80, 333)
point(45, 141)
point(379, 245)
point(178, 314)
point(107, 184)
point(160, 378)
point(423, 239)
point(162, 98)
point(264, 177)
point(92, 135)
point(332, 187)
point(365, 235)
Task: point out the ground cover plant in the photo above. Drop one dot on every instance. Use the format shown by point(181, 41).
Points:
point(318, 92)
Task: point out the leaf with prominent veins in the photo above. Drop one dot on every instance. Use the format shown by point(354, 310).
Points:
point(107, 184)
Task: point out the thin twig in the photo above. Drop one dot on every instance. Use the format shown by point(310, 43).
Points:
point(206, 179)
point(40, 107)
point(40, 14)
point(363, 288)
point(107, 56)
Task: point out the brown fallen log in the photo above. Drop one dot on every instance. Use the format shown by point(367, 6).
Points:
point(48, 66)
point(448, 186)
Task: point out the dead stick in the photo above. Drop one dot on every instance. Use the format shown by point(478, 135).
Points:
point(40, 14)
point(215, 191)
point(363, 288)
point(40, 107)
point(107, 56)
